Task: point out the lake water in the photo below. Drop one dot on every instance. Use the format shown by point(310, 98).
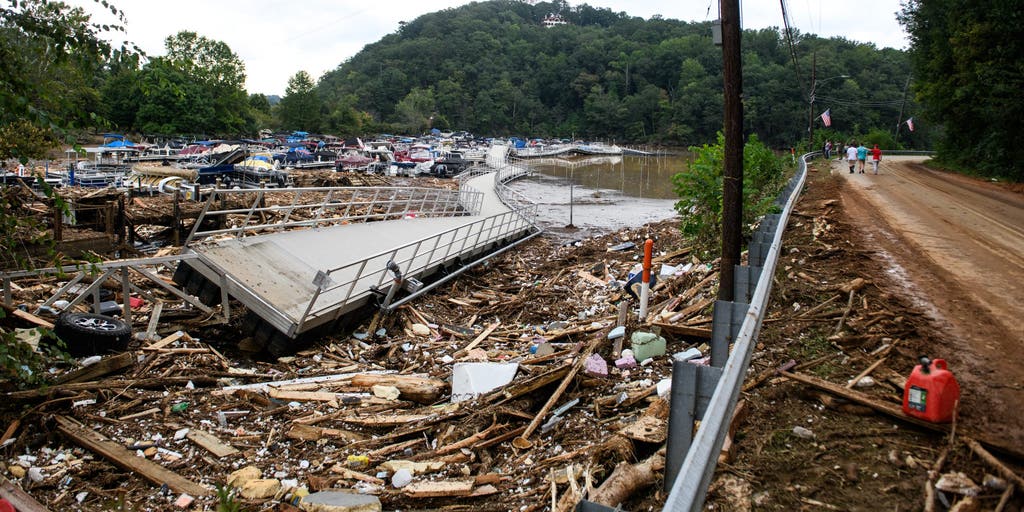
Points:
point(606, 192)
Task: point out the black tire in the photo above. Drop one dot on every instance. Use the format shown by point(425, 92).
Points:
point(87, 334)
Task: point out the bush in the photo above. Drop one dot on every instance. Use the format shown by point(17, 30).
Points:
point(700, 190)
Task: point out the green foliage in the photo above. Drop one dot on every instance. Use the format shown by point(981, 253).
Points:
point(700, 189)
point(197, 88)
point(968, 76)
point(299, 108)
point(21, 366)
point(494, 69)
point(49, 56)
point(226, 500)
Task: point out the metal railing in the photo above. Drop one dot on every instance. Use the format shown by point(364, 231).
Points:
point(691, 483)
point(339, 285)
point(245, 212)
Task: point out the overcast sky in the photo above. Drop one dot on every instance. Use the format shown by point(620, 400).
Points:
point(277, 38)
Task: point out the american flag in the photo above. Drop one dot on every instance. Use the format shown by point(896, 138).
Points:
point(910, 123)
point(826, 117)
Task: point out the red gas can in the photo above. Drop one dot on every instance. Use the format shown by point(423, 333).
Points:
point(931, 392)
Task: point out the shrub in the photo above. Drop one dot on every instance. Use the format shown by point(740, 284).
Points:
point(700, 190)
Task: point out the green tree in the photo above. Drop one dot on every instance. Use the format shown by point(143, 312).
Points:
point(300, 107)
point(49, 54)
point(968, 75)
point(416, 110)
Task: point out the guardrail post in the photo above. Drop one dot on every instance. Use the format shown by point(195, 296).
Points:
point(725, 325)
point(692, 388)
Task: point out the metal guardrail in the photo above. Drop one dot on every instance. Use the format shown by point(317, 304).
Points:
point(432, 251)
point(689, 489)
point(324, 206)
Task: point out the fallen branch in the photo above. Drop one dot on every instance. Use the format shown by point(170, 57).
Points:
point(994, 462)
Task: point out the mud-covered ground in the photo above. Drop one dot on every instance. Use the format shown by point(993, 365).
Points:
point(857, 458)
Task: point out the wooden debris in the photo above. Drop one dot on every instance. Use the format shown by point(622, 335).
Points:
point(126, 459)
point(352, 474)
point(867, 371)
point(476, 341)
point(104, 366)
point(418, 389)
point(894, 410)
point(21, 500)
point(439, 489)
point(303, 432)
point(627, 479)
point(211, 443)
point(989, 459)
point(523, 442)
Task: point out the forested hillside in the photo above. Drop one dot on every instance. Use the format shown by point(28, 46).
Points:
point(493, 68)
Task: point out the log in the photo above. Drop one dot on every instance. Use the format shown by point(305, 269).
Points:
point(626, 480)
point(417, 389)
point(122, 457)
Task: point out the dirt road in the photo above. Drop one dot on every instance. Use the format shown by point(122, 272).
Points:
point(956, 245)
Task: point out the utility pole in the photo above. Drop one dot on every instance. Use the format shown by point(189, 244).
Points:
point(810, 106)
point(732, 186)
point(899, 118)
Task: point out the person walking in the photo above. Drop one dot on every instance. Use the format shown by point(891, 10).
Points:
point(862, 156)
point(851, 156)
point(876, 157)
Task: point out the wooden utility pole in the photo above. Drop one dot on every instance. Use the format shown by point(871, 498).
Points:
point(732, 187)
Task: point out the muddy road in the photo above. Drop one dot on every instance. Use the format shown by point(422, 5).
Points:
point(956, 245)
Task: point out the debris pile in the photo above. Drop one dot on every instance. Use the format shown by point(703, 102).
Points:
point(527, 383)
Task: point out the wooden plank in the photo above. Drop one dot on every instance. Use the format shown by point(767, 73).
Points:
point(24, 315)
point(147, 412)
point(684, 330)
point(648, 429)
point(167, 340)
point(105, 366)
point(476, 341)
point(21, 500)
point(439, 489)
point(392, 420)
point(211, 443)
point(853, 382)
point(122, 457)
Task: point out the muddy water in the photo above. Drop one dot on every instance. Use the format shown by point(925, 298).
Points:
point(597, 195)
